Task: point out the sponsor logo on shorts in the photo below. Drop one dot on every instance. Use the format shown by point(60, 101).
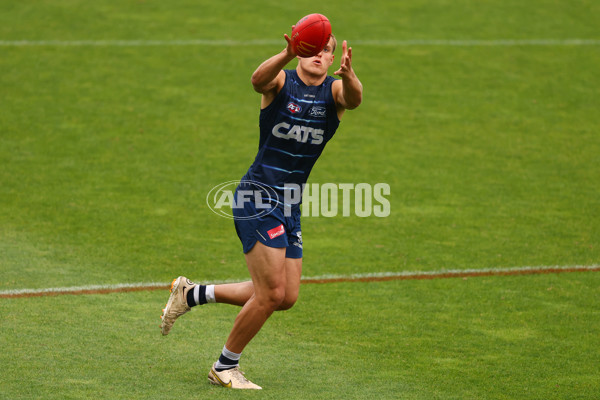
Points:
point(298, 242)
point(277, 231)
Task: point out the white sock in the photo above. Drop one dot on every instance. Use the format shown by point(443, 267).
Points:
point(210, 294)
point(197, 294)
point(228, 359)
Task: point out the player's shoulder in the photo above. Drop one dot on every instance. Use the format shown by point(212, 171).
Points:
point(274, 91)
point(336, 86)
point(334, 81)
point(283, 77)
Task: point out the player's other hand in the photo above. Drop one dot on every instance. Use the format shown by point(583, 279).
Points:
point(345, 62)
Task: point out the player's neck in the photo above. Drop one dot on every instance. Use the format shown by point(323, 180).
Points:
point(310, 79)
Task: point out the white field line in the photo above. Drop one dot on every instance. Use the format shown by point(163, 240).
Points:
point(264, 42)
point(444, 273)
point(476, 42)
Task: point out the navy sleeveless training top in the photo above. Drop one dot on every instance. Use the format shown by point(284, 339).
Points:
point(294, 130)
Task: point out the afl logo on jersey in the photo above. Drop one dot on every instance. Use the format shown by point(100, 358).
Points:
point(294, 108)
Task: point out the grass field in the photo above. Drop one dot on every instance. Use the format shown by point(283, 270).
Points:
point(117, 118)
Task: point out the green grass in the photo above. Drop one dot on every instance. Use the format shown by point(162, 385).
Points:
point(512, 337)
point(491, 152)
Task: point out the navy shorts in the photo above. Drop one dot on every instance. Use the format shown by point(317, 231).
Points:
point(273, 229)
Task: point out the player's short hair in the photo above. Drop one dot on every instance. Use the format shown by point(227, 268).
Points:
point(334, 42)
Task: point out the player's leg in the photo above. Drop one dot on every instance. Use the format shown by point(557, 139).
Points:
point(276, 283)
point(293, 261)
point(293, 271)
point(267, 269)
point(232, 377)
point(236, 294)
point(186, 294)
point(240, 293)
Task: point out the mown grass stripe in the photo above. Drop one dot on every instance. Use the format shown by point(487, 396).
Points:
point(365, 277)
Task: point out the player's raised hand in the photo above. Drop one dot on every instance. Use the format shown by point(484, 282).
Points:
point(348, 94)
point(289, 48)
point(346, 61)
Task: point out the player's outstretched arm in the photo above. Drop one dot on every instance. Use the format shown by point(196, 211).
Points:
point(269, 75)
point(349, 94)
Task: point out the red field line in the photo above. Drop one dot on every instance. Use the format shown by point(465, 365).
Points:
point(454, 274)
point(83, 291)
point(355, 278)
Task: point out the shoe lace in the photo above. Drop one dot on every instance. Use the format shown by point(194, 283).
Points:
point(238, 374)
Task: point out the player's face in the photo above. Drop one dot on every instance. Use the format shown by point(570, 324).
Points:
point(319, 64)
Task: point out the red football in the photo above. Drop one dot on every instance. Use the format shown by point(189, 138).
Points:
point(310, 35)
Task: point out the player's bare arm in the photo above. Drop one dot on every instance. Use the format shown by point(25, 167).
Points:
point(269, 78)
point(347, 92)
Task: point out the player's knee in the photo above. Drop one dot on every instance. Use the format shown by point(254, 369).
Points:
point(286, 305)
point(288, 302)
point(273, 298)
